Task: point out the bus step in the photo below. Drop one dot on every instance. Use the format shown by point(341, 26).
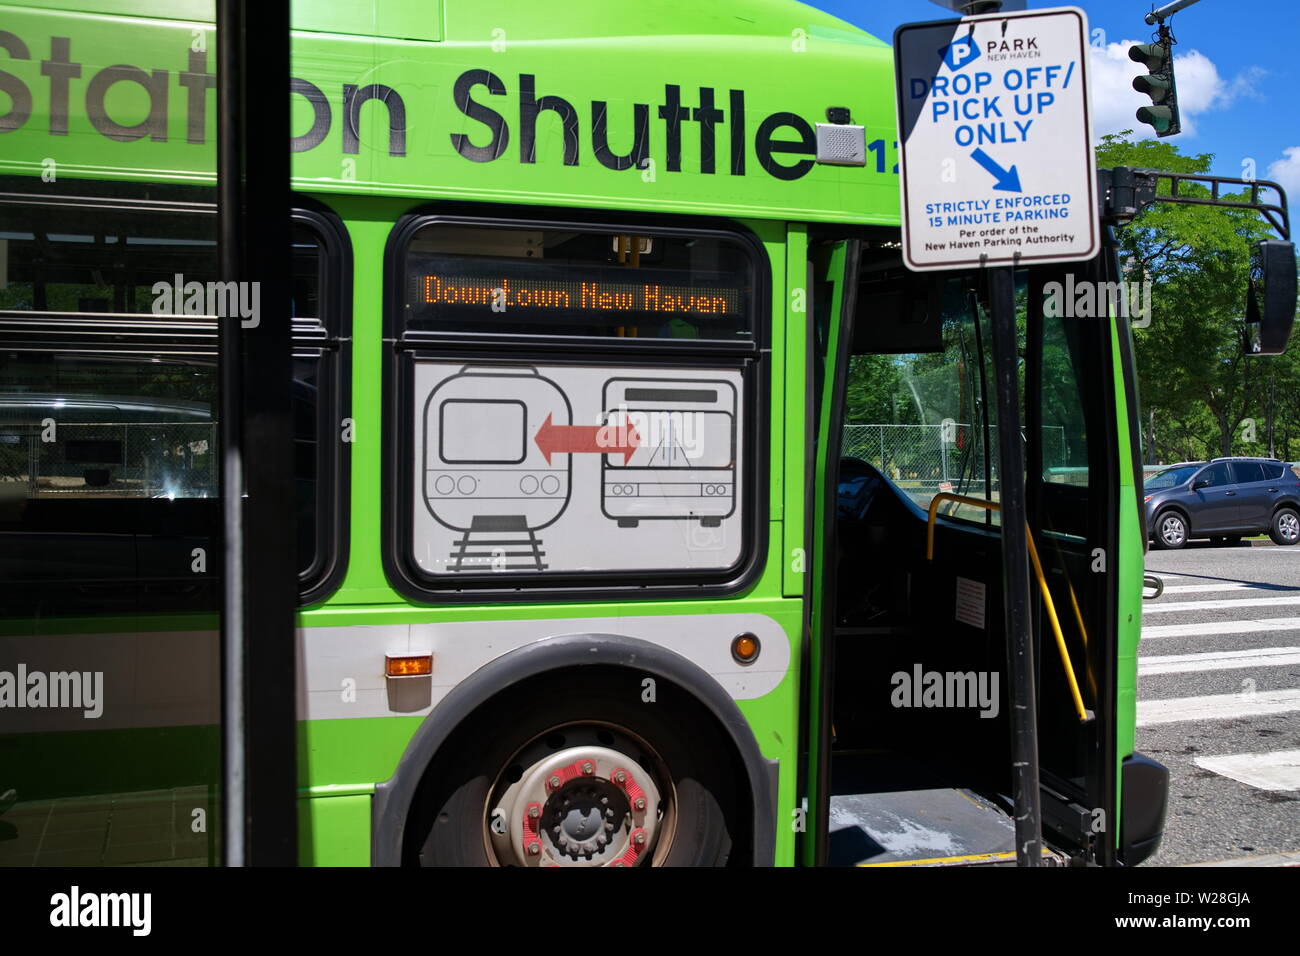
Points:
point(936, 827)
point(1001, 858)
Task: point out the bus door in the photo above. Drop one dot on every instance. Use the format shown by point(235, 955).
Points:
point(908, 711)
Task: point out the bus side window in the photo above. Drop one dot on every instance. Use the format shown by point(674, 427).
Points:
point(109, 432)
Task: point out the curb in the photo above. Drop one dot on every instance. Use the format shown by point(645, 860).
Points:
point(1263, 859)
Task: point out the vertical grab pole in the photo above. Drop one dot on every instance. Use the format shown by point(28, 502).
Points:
point(1015, 572)
point(259, 568)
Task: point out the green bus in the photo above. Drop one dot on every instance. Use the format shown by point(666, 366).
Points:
point(551, 261)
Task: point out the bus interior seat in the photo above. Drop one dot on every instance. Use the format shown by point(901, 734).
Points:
point(874, 550)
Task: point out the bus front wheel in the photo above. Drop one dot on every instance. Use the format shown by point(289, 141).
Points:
point(583, 780)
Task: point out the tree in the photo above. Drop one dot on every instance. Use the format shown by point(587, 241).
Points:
point(1191, 360)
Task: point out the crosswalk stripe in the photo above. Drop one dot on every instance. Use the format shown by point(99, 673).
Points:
point(1162, 608)
point(1221, 627)
point(1273, 770)
point(1218, 661)
point(1216, 707)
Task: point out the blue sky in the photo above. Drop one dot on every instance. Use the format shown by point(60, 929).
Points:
point(1236, 64)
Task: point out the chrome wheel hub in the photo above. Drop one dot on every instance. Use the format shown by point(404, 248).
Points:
point(580, 806)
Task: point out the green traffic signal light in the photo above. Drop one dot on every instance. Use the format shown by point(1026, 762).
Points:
point(1162, 118)
point(1158, 83)
point(1156, 87)
point(1154, 56)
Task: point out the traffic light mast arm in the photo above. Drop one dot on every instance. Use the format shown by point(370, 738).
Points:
point(1168, 10)
point(1127, 191)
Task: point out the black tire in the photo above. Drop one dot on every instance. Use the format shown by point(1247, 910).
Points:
point(449, 816)
point(1285, 529)
point(1170, 531)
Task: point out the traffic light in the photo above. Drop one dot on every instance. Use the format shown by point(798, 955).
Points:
point(1158, 84)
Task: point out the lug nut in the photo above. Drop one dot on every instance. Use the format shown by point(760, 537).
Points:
point(639, 838)
point(534, 848)
point(535, 811)
point(554, 783)
point(639, 803)
point(620, 777)
point(588, 768)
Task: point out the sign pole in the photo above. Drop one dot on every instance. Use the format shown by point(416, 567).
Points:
point(998, 173)
point(1015, 571)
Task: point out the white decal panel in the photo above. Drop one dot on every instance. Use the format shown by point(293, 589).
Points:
point(524, 470)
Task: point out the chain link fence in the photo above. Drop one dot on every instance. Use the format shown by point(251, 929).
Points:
point(924, 460)
point(111, 459)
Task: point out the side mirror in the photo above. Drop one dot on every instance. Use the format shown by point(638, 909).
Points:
point(1200, 483)
point(1270, 297)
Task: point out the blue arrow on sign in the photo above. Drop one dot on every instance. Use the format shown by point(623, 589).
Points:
point(1008, 180)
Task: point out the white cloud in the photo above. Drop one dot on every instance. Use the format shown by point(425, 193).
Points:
point(1245, 85)
point(1200, 89)
point(1286, 171)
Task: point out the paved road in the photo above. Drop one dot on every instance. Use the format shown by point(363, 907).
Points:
point(1219, 699)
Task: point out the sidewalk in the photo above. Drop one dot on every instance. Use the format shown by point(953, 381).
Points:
point(152, 828)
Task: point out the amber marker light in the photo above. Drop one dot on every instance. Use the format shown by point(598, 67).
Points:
point(745, 648)
point(408, 665)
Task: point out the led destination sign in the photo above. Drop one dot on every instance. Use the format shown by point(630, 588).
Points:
point(480, 280)
point(501, 294)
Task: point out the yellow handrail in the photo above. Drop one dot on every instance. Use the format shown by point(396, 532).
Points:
point(1042, 584)
point(1078, 617)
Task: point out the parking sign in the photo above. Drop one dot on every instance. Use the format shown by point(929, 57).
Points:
point(996, 140)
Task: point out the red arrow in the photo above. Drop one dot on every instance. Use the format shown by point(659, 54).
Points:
point(586, 439)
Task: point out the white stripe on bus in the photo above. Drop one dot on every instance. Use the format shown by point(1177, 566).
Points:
point(172, 678)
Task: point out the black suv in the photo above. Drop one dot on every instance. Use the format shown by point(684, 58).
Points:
point(1223, 500)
